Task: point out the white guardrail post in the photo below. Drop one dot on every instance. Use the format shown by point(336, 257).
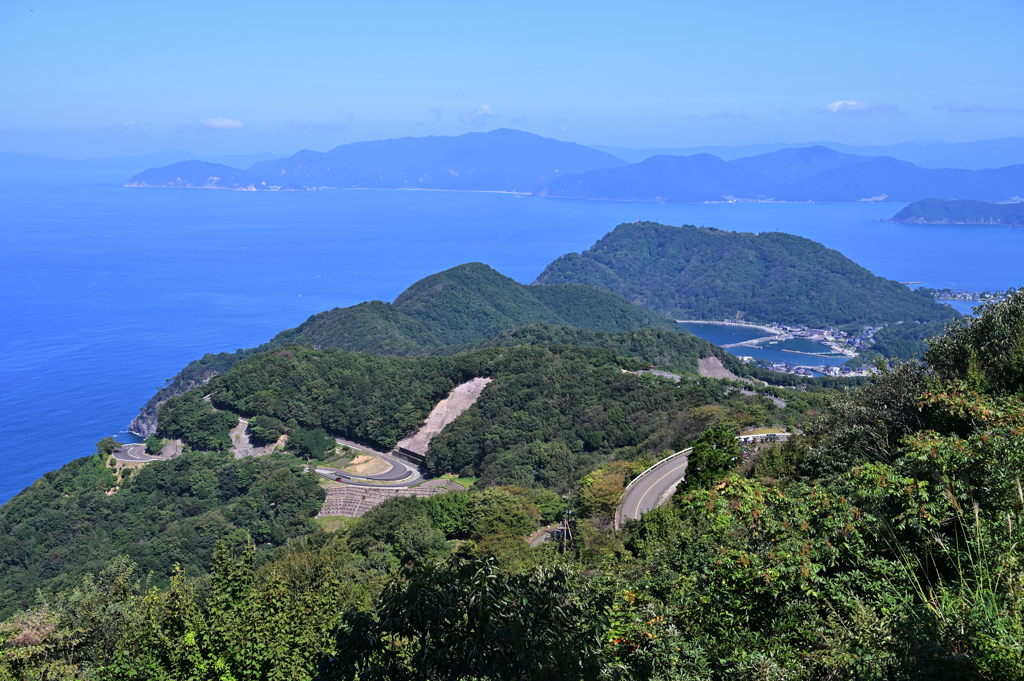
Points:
point(618, 508)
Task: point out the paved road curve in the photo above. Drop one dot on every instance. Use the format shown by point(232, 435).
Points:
point(647, 489)
point(134, 454)
point(402, 473)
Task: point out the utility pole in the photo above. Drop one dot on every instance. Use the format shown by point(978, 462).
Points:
point(566, 532)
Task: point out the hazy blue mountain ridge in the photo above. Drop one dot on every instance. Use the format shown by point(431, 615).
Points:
point(804, 174)
point(499, 160)
point(993, 153)
point(797, 163)
point(515, 161)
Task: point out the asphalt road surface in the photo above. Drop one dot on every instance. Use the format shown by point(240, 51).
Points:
point(402, 473)
point(134, 454)
point(647, 490)
point(779, 402)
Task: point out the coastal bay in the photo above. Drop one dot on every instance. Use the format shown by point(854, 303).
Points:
point(110, 291)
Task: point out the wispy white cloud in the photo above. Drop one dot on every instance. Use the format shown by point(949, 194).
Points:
point(481, 116)
point(852, 106)
point(731, 113)
point(218, 124)
point(971, 107)
point(135, 125)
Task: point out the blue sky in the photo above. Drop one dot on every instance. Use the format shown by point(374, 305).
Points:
point(125, 78)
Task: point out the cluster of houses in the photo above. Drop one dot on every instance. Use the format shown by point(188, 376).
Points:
point(789, 368)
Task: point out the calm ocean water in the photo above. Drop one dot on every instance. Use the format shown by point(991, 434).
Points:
point(107, 292)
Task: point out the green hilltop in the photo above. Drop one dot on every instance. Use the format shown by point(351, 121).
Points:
point(704, 273)
point(462, 305)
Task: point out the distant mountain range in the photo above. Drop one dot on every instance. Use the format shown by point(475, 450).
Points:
point(936, 212)
point(795, 174)
point(500, 160)
point(45, 170)
point(515, 161)
point(995, 153)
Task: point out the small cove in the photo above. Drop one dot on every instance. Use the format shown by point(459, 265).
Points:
point(720, 334)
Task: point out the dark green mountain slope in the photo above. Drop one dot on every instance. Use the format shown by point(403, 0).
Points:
point(699, 273)
point(472, 302)
point(78, 518)
point(597, 309)
point(462, 305)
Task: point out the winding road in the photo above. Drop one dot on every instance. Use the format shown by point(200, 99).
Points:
point(135, 454)
point(402, 473)
point(645, 492)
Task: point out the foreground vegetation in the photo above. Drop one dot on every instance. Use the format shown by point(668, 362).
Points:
point(883, 544)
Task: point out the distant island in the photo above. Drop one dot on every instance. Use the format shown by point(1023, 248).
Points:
point(513, 161)
point(500, 160)
point(963, 212)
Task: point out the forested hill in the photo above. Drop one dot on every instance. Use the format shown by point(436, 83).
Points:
point(704, 273)
point(555, 410)
point(463, 305)
point(937, 212)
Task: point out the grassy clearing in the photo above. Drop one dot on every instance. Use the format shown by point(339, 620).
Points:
point(465, 482)
point(334, 523)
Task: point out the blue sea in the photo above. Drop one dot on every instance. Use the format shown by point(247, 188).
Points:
point(107, 291)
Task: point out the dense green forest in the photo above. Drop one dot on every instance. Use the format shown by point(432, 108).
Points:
point(78, 518)
point(885, 543)
point(704, 273)
point(465, 304)
point(664, 271)
point(551, 415)
point(962, 212)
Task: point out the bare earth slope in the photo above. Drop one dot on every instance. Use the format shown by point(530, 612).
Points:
point(446, 411)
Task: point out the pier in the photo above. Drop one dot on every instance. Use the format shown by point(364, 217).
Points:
point(753, 341)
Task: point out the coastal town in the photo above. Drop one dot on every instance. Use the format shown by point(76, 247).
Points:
point(835, 341)
point(979, 296)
